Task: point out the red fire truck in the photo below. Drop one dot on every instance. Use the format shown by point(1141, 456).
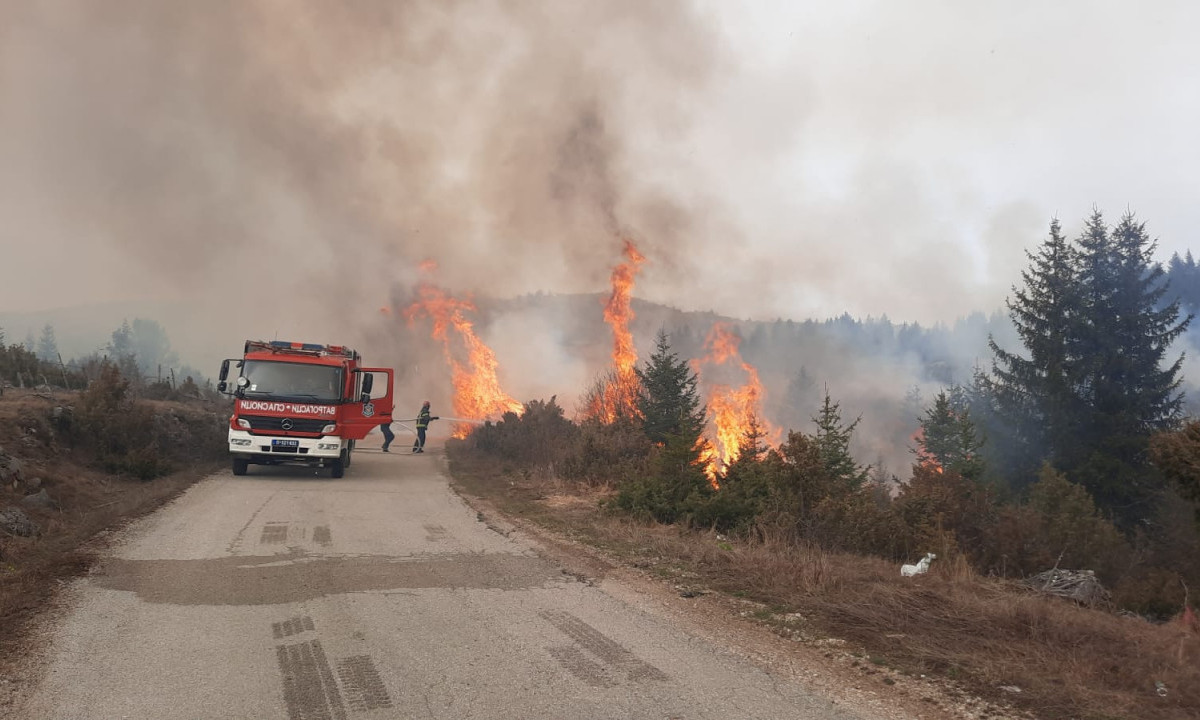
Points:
point(301, 403)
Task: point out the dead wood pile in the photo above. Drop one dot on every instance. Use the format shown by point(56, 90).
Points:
point(1078, 585)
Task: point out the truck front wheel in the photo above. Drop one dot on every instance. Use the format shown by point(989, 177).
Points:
point(240, 465)
point(338, 467)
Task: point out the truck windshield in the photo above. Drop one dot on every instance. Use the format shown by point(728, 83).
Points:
point(284, 380)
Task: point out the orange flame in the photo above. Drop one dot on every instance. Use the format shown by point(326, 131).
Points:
point(477, 391)
point(732, 408)
point(619, 397)
point(924, 459)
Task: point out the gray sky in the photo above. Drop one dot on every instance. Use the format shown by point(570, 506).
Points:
point(773, 159)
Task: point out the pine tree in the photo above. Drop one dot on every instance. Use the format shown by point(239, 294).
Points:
point(669, 400)
point(47, 350)
point(948, 438)
point(753, 444)
point(1120, 341)
point(833, 441)
point(675, 485)
point(121, 344)
point(1183, 279)
point(1035, 393)
point(1004, 453)
point(1096, 324)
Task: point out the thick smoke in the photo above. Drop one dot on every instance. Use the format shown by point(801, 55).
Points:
point(261, 168)
point(304, 157)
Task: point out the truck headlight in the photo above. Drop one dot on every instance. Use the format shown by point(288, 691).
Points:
point(240, 441)
point(243, 423)
point(329, 429)
point(329, 446)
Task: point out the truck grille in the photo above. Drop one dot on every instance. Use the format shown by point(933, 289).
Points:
point(260, 423)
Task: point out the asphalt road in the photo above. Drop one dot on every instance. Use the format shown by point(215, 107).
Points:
point(289, 595)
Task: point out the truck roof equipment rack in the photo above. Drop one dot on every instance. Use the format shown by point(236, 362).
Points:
point(295, 348)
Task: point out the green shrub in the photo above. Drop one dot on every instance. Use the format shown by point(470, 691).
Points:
point(606, 455)
point(674, 487)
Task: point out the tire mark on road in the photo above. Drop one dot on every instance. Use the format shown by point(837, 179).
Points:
point(294, 626)
point(274, 533)
point(309, 689)
point(362, 684)
point(598, 644)
point(435, 533)
point(580, 665)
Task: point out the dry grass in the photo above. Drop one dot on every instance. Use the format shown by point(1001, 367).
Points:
point(1069, 661)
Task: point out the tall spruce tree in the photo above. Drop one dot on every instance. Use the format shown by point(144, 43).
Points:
point(673, 418)
point(1096, 382)
point(1126, 388)
point(669, 400)
point(1035, 393)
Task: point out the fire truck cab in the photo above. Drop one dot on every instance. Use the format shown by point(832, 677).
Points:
point(301, 403)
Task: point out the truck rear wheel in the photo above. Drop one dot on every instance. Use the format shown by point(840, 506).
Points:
point(240, 465)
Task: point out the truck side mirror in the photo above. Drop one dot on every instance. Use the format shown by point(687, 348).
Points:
point(221, 384)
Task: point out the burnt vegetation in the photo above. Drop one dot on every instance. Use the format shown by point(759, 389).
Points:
point(1073, 450)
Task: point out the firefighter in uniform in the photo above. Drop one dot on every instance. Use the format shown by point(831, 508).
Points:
point(423, 419)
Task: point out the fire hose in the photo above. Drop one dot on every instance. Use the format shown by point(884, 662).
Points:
point(440, 417)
